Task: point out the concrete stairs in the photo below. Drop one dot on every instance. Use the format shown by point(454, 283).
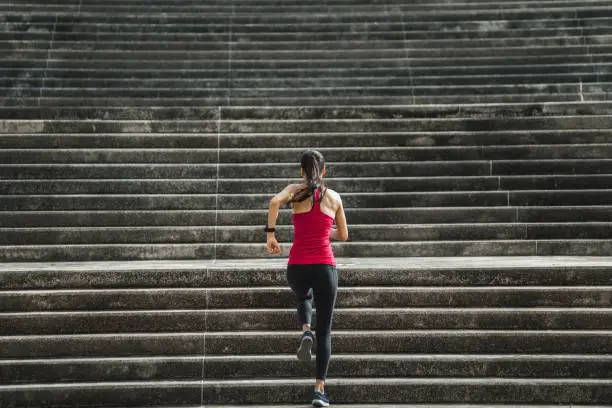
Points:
point(140, 140)
point(158, 130)
point(407, 330)
point(419, 181)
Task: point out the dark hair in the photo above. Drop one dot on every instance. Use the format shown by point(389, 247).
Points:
point(313, 164)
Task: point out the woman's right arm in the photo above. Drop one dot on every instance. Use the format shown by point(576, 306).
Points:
point(341, 231)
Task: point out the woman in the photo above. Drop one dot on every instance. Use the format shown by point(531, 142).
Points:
point(311, 269)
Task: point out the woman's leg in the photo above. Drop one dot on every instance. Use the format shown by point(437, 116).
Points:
point(325, 289)
point(298, 282)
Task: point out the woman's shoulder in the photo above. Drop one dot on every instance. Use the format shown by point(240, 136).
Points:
point(333, 194)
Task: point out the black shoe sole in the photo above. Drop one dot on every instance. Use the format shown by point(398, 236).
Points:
point(304, 353)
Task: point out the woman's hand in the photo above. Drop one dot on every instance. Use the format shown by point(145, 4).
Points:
point(273, 246)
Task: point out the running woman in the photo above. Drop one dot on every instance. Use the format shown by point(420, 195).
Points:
point(311, 270)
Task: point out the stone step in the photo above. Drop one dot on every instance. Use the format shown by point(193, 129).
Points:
point(362, 319)
point(318, 77)
point(253, 58)
point(279, 297)
point(449, 390)
point(284, 155)
point(265, 171)
point(467, 37)
point(378, 272)
point(21, 107)
point(283, 366)
point(420, 390)
point(292, 140)
point(414, 35)
point(141, 100)
point(107, 252)
point(301, 126)
point(539, 58)
point(595, 342)
point(594, 33)
point(422, 86)
point(222, 119)
point(572, 38)
point(376, 57)
point(315, 85)
point(428, 215)
point(261, 201)
point(253, 234)
point(513, 41)
point(345, 185)
point(104, 107)
point(154, 76)
point(423, 14)
point(311, 91)
point(282, 7)
point(442, 75)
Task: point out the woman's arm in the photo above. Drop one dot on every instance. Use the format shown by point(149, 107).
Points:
point(275, 204)
point(341, 231)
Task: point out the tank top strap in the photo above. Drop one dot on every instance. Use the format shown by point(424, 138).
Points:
point(317, 198)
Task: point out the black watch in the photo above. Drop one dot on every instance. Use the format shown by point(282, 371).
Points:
point(267, 229)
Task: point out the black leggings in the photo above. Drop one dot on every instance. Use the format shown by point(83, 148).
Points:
point(322, 282)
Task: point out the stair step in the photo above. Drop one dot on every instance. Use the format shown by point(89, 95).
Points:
point(537, 57)
point(141, 101)
point(483, 124)
point(284, 7)
point(316, 81)
point(253, 234)
point(19, 103)
point(252, 58)
point(458, 80)
point(451, 390)
point(288, 170)
point(362, 320)
point(593, 342)
point(378, 272)
point(415, 35)
point(441, 215)
point(261, 201)
point(381, 115)
point(98, 252)
point(513, 42)
point(285, 366)
point(284, 155)
point(433, 390)
point(423, 14)
point(277, 297)
point(290, 140)
point(348, 185)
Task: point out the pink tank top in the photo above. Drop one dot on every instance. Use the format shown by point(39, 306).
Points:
point(311, 242)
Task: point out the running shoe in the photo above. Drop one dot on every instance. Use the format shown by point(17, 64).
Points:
point(320, 399)
point(304, 352)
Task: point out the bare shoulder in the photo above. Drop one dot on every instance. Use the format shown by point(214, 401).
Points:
point(334, 195)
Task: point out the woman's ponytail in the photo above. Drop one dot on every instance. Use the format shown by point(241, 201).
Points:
point(312, 163)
